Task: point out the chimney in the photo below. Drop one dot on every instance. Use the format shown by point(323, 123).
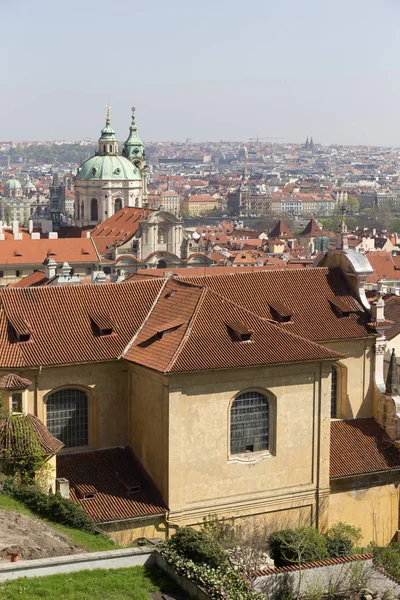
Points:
point(53, 235)
point(392, 380)
point(15, 228)
point(88, 234)
point(378, 306)
point(50, 267)
point(30, 226)
point(66, 270)
point(35, 235)
point(62, 486)
point(100, 277)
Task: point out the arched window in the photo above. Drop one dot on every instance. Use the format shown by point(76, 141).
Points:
point(161, 264)
point(82, 211)
point(117, 205)
point(94, 210)
point(249, 423)
point(334, 392)
point(67, 416)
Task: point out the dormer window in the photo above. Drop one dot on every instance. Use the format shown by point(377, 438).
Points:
point(340, 307)
point(102, 324)
point(132, 488)
point(86, 492)
point(21, 328)
point(280, 312)
point(239, 332)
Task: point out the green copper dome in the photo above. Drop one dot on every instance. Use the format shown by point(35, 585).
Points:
point(108, 168)
point(12, 184)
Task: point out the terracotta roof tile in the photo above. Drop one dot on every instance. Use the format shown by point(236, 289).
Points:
point(16, 436)
point(361, 446)
point(305, 292)
point(280, 231)
point(203, 341)
point(33, 280)
point(34, 252)
point(14, 382)
point(59, 318)
point(109, 475)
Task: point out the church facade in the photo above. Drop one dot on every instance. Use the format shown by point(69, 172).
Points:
point(111, 180)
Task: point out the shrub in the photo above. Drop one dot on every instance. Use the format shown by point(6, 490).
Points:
point(53, 507)
point(198, 546)
point(341, 539)
point(297, 546)
point(222, 583)
point(388, 558)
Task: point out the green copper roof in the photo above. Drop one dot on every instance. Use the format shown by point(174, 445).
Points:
point(133, 147)
point(108, 168)
point(12, 184)
point(108, 133)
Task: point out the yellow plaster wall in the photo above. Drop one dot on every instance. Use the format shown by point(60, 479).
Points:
point(203, 478)
point(125, 533)
point(374, 509)
point(358, 399)
point(149, 422)
point(107, 387)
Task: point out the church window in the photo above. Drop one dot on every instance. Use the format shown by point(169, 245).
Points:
point(117, 205)
point(249, 423)
point(94, 210)
point(82, 211)
point(334, 390)
point(104, 148)
point(67, 417)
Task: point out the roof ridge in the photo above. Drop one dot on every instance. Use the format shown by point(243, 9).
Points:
point(185, 338)
point(130, 343)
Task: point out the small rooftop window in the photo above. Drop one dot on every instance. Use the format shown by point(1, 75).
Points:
point(340, 307)
point(85, 492)
point(280, 312)
point(101, 324)
point(21, 328)
point(239, 332)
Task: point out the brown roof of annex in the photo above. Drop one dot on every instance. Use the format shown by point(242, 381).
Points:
point(361, 446)
point(110, 485)
point(34, 252)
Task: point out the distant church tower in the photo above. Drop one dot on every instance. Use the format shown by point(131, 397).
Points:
point(109, 181)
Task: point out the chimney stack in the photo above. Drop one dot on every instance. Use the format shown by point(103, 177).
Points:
point(50, 267)
point(62, 486)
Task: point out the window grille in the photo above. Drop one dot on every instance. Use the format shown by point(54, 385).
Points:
point(333, 393)
point(67, 417)
point(249, 423)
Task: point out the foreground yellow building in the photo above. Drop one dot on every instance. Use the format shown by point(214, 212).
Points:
point(250, 395)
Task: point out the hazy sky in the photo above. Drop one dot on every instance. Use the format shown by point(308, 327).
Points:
point(208, 70)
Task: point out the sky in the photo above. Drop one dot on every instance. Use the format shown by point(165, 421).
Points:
point(207, 70)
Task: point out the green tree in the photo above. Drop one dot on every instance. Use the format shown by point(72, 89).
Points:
point(352, 205)
point(8, 214)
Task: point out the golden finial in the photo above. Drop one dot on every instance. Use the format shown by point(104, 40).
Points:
point(108, 112)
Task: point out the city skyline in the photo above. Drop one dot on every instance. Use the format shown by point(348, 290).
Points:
point(208, 73)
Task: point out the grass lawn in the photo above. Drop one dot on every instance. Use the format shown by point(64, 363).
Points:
point(135, 583)
point(87, 541)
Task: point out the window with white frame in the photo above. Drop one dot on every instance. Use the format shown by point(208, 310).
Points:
point(249, 423)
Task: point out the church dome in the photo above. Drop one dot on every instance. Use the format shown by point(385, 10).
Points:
point(12, 184)
point(108, 168)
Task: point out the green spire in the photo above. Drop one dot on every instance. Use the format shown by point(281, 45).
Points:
point(133, 147)
point(108, 133)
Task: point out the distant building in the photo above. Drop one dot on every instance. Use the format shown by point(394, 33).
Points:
point(196, 205)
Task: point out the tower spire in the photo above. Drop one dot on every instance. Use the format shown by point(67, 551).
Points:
point(133, 147)
point(108, 144)
point(342, 239)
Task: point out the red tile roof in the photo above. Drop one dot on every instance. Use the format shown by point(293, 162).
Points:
point(60, 324)
point(109, 475)
point(312, 229)
point(361, 446)
point(34, 252)
point(383, 264)
point(19, 435)
point(119, 228)
point(33, 280)
point(306, 292)
point(280, 231)
point(14, 382)
point(201, 339)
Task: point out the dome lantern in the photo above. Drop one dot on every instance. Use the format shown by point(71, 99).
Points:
point(108, 143)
